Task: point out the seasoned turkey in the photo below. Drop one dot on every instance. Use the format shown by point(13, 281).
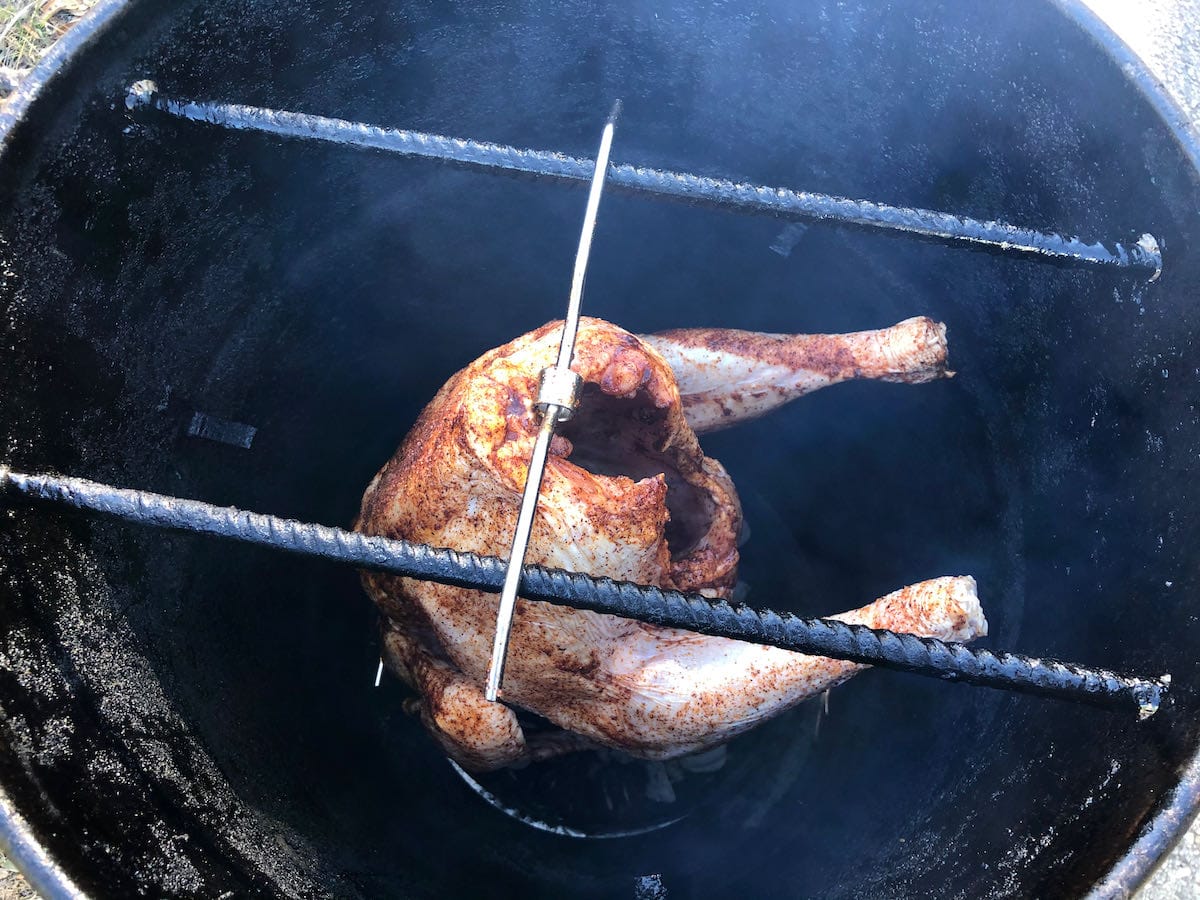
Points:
point(627, 493)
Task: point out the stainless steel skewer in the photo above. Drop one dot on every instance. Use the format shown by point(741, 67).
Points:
point(558, 395)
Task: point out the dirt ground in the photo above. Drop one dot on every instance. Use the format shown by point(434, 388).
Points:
point(12, 885)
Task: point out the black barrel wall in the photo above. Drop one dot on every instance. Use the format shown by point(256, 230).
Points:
point(183, 717)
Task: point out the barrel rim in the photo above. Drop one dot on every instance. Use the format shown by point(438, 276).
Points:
point(1170, 818)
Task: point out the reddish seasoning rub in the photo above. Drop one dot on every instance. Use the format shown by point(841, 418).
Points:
point(628, 493)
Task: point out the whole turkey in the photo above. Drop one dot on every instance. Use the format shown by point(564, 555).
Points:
point(629, 494)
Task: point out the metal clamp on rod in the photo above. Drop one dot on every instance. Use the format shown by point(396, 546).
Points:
point(558, 395)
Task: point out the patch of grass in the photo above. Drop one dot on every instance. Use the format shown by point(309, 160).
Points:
point(28, 28)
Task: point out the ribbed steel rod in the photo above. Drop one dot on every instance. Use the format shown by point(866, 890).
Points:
point(1141, 252)
point(823, 637)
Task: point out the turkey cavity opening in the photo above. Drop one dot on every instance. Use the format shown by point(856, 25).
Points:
point(624, 436)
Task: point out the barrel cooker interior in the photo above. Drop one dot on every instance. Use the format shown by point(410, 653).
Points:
point(185, 716)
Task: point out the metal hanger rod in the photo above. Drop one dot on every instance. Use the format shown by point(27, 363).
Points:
point(691, 612)
point(1139, 252)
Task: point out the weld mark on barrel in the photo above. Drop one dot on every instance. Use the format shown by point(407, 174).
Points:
point(223, 431)
point(649, 887)
point(785, 242)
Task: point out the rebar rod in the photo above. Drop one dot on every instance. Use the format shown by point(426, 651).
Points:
point(692, 612)
point(1141, 252)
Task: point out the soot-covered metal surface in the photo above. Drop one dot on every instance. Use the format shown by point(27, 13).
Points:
point(182, 717)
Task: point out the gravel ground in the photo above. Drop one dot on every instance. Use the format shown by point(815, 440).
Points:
point(1178, 878)
point(12, 885)
point(28, 29)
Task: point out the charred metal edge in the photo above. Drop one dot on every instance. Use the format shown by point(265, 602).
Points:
point(1157, 837)
point(19, 843)
point(691, 612)
point(87, 29)
point(1160, 832)
point(1175, 812)
point(1165, 94)
point(17, 839)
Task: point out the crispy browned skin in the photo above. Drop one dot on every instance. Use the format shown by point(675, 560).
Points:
point(628, 494)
